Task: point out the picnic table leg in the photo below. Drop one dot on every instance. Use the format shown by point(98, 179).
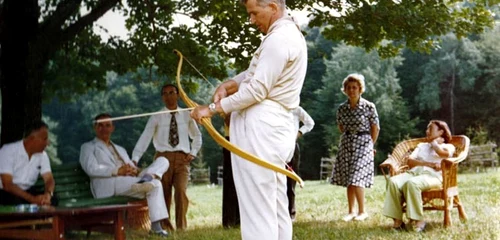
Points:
point(119, 227)
point(58, 228)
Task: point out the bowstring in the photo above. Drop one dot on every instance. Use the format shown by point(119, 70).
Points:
point(198, 71)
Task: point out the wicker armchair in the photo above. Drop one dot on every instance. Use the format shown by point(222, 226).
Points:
point(443, 199)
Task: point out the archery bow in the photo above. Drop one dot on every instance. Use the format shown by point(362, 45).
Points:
point(207, 123)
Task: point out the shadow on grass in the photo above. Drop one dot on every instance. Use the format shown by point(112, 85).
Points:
point(324, 230)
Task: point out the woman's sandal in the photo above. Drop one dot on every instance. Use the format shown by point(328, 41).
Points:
point(421, 228)
point(401, 227)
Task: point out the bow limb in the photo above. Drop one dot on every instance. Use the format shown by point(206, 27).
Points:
point(207, 123)
point(190, 103)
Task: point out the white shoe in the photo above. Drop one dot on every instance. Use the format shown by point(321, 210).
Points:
point(361, 217)
point(142, 187)
point(349, 217)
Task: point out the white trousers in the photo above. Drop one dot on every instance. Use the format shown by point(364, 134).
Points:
point(267, 131)
point(155, 199)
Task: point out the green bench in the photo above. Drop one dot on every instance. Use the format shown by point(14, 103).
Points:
point(73, 191)
point(73, 188)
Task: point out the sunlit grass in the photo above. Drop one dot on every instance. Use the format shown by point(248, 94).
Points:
point(321, 207)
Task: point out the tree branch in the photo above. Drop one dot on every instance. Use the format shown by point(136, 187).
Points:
point(1, 19)
point(65, 9)
point(98, 11)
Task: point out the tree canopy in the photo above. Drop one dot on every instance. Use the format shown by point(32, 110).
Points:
point(393, 84)
point(48, 47)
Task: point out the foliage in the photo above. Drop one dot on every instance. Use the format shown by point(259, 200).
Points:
point(51, 149)
point(484, 102)
point(125, 96)
point(128, 94)
point(451, 70)
point(55, 37)
point(198, 163)
point(411, 24)
point(312, 145)
point(457, 83)
point(200, 174)
point(478, 136)
point(394, 94)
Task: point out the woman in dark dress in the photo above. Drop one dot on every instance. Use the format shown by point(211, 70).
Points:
point(358, 121)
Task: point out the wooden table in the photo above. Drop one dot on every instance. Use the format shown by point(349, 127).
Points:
point(51, 223)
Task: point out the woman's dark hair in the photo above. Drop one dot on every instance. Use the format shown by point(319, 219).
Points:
point(442, 125)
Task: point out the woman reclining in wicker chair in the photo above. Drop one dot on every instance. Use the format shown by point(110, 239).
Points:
point(424, 174)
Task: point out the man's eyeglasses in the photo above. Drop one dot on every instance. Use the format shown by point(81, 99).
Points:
point(169, 93)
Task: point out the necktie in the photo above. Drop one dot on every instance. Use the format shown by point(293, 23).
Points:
point(173, 136)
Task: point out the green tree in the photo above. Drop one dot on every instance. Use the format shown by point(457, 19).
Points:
point(483, 102)
point(55, 38)
point(312, 144)
point(410, 74)
point(51, 149)
point(124, 95)
point(128, 94)
point(410, 24)
point(451, 71)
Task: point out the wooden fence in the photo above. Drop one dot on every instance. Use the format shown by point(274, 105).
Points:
point(482, 156)
point(326, 168)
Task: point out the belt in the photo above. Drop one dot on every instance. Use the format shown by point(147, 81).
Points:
point(357, 133)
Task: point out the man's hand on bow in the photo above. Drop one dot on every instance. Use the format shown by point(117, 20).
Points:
point(200, 112)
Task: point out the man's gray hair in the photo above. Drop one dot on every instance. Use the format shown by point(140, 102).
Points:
point(262, 3)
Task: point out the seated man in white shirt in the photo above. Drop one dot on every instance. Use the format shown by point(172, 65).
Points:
point(112, 173)
point(21, 163)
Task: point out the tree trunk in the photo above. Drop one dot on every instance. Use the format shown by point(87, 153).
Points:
point(21, 93)
point(452, 100)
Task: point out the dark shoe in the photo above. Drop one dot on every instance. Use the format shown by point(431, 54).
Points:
point(401, 227)
point(420, 229)
point(146, 178)
point(161, 233)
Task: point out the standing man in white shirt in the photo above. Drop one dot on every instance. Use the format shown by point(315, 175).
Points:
point(261, 100)
point(307, 125)
point(170, 133)
point(21, 163)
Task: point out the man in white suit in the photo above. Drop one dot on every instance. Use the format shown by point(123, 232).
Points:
point(112, 173)
point(261, 100)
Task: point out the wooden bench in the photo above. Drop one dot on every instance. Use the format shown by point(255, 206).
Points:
point(326, 168)
point(73, 191)
point(220, 175)
point(482, 156)
point(48, 223)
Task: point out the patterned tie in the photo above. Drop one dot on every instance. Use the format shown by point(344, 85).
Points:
point(173, 137)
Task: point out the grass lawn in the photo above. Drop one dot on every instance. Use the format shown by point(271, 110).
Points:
point(321, 207)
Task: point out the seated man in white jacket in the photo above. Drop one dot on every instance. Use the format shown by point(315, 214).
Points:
point(112, 173)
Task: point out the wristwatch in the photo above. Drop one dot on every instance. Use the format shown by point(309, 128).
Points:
point(212, 108)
